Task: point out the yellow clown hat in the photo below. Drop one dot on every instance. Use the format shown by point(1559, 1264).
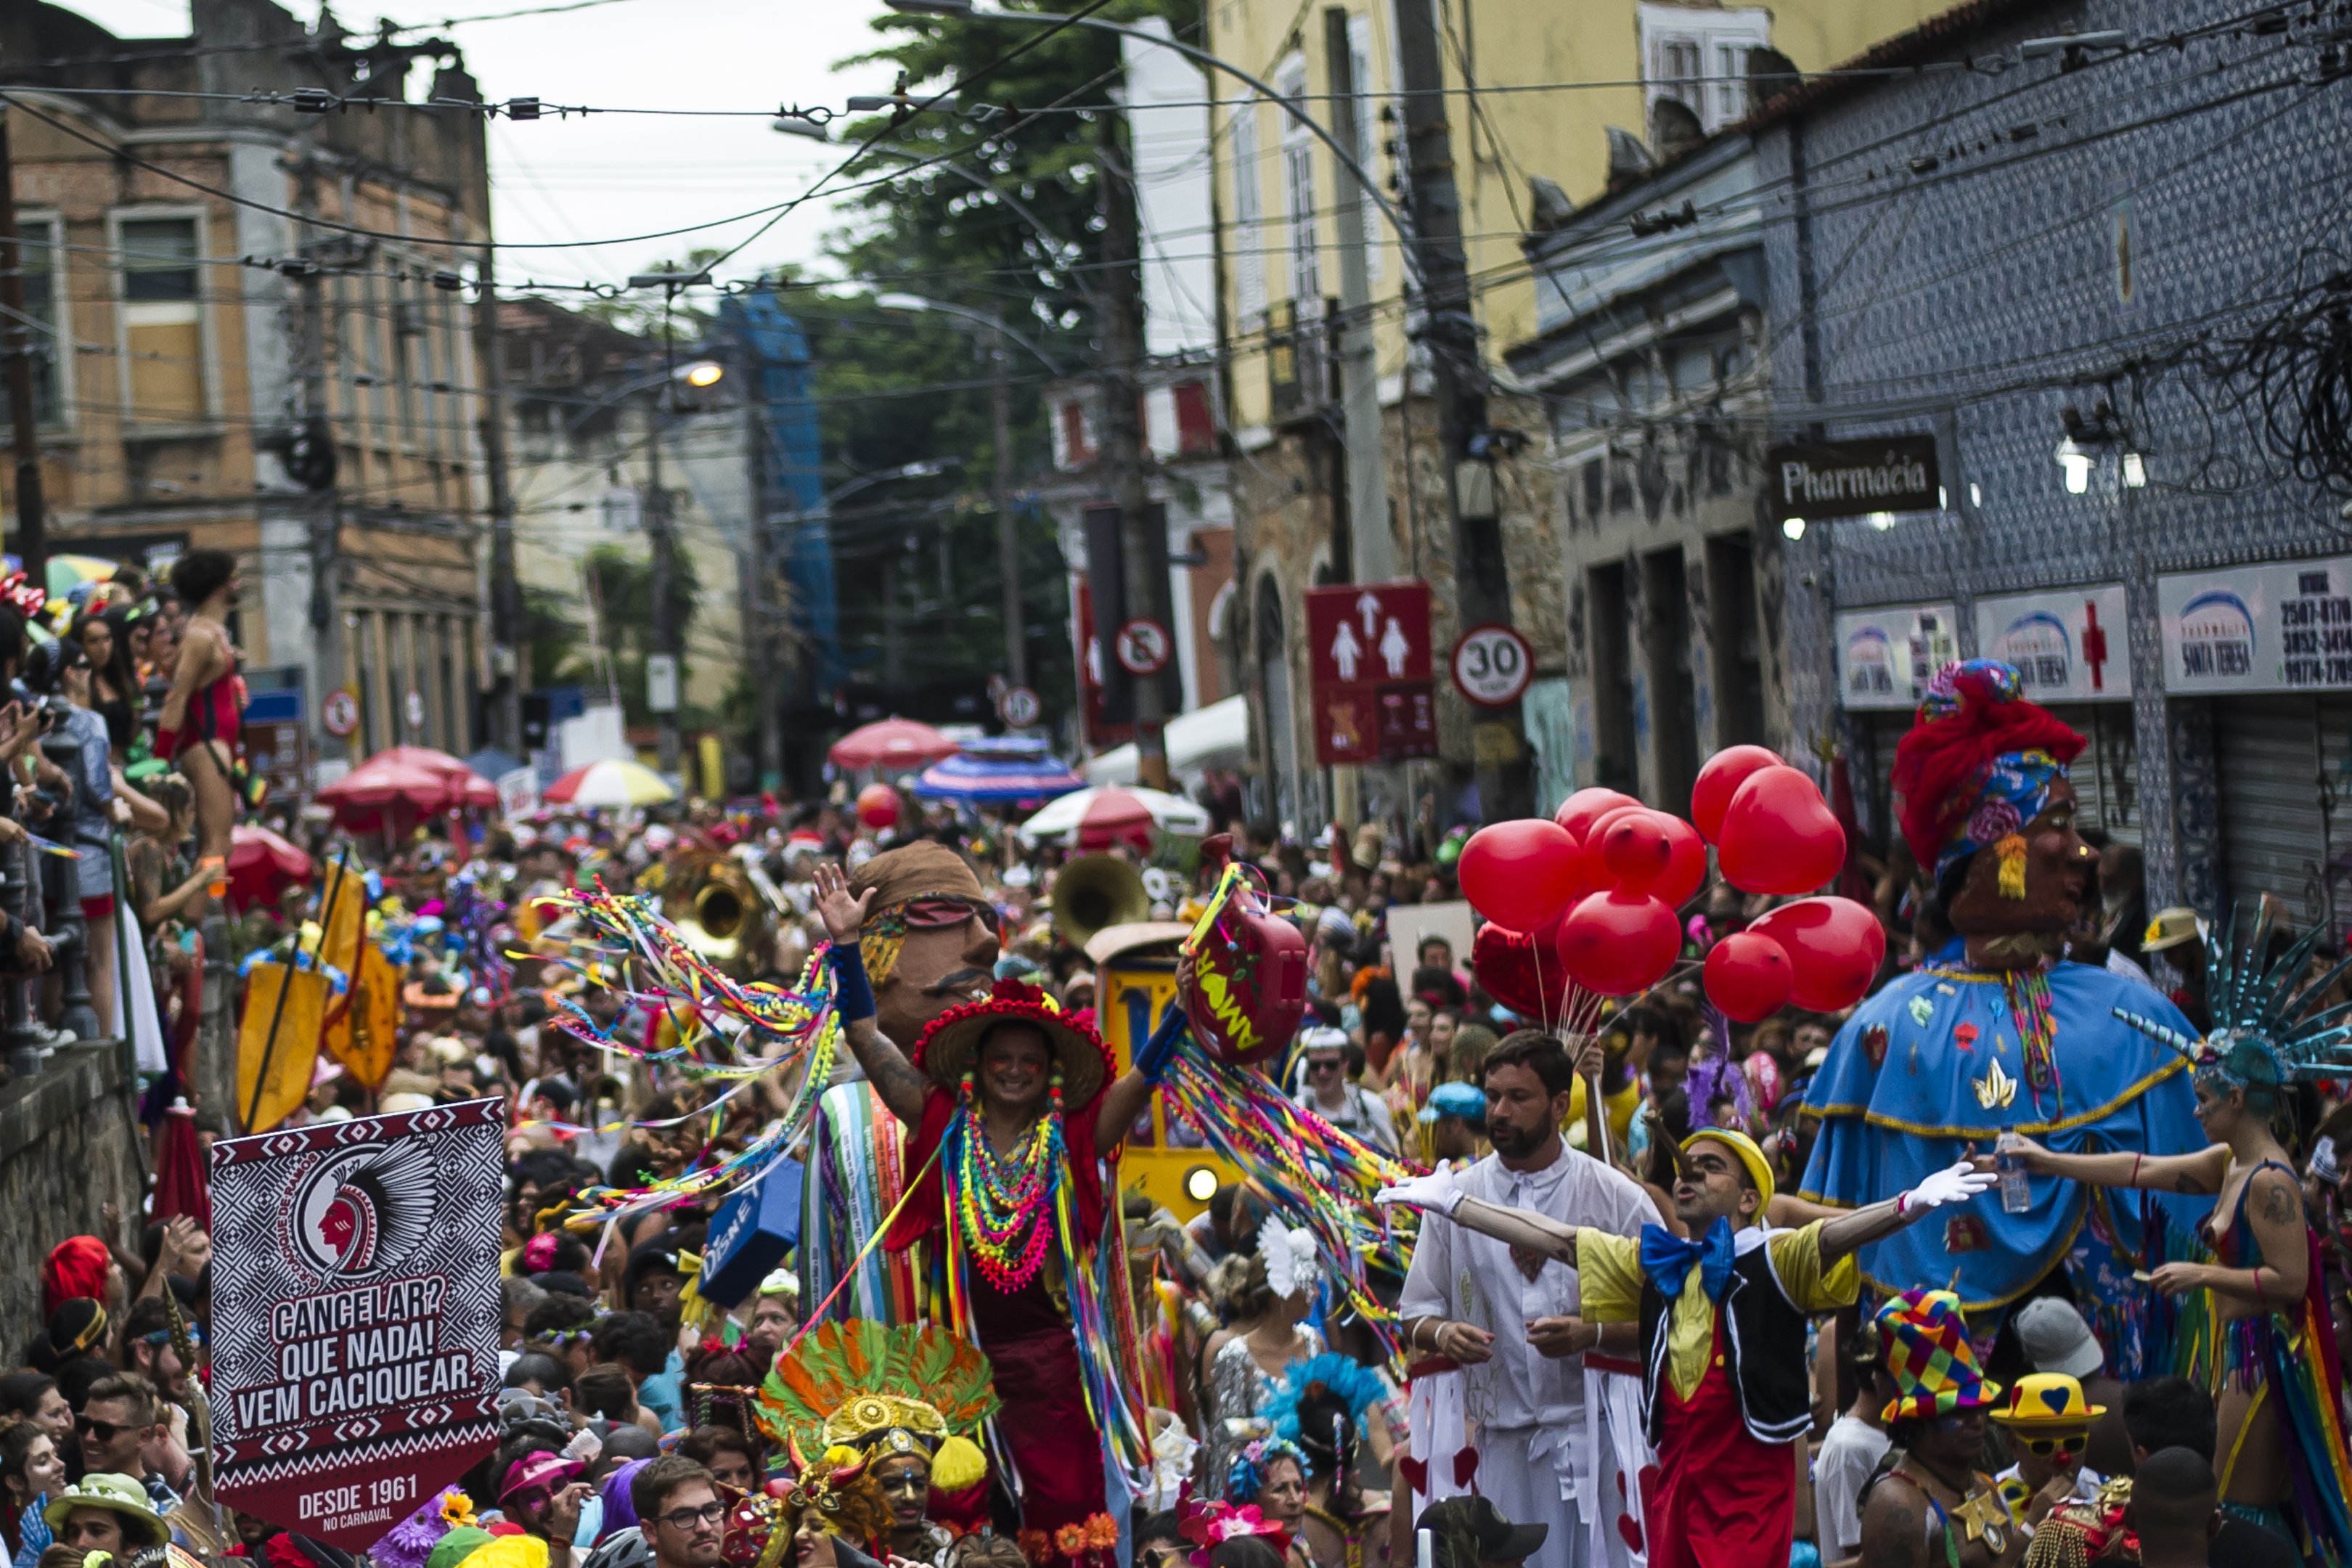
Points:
point(2047, 1402)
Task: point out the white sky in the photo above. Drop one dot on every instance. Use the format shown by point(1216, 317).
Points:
point(609, 176)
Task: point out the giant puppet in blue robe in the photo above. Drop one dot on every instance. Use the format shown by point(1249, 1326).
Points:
point(1990, 1035)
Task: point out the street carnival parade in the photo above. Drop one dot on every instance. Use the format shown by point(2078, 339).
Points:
point(1668, 993)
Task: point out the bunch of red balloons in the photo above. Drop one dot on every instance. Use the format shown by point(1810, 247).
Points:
point(1589, 899)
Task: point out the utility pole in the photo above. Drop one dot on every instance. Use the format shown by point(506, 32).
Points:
point(665, 574)
point(17, 333)
point(509, 664)
point(1122, 346)
point(1372, 541)
point(1008, 534)
point(1482, 582)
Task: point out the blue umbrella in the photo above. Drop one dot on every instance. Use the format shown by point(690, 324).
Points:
point(1006, 770)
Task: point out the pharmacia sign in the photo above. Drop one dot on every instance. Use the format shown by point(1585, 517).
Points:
point(1816, 479)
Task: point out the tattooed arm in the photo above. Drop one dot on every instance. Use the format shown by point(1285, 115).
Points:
point(2273, 1209)
point(1894, 1526)
point(901, 1084)
point(2198, 1175)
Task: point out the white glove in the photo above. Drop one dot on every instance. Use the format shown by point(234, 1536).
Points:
point(1955, 1185)
point(1435, 1190)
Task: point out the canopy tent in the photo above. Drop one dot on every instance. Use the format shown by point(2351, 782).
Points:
point(1216, 736)
point(891, 743)
point(1099, 818)
point(1008, 770)
point(394, 789)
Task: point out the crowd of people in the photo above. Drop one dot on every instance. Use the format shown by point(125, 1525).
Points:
point(1637, 1321)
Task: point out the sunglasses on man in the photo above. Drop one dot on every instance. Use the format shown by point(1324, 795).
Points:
point(104, 1431)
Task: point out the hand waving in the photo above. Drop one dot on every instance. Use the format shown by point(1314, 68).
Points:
point(842, 912)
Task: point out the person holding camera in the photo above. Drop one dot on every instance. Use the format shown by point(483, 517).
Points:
point(89, 809)
point(23, 950)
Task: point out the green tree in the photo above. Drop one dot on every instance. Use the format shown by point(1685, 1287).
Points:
point(622, 585)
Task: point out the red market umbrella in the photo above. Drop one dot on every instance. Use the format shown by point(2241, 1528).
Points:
point(262, 866)
point(891, 743)
point(1100, 818)
point(393, 789)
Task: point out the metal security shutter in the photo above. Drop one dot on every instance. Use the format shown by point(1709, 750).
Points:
point(2106, 776)
point(2277, 832)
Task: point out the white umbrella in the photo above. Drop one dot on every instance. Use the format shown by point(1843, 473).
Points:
point(1097, 818)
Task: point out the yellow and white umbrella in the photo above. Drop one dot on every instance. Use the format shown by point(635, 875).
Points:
point(615, 783)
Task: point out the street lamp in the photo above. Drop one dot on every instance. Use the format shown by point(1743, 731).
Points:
point(2075, 461)
point(1008, 543)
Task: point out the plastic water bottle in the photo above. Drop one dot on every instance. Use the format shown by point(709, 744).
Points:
point(2016, 1196)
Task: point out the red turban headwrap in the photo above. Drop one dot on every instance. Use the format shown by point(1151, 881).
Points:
point(1977, 746)
point(76, 1266)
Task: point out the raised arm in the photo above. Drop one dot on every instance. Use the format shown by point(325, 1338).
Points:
point(2199, 1174)
point(1857, 1228)
point(1437, 1194)
point(901, 1085)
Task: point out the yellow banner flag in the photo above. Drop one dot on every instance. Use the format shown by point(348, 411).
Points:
point(366, 1030)
point(342, 916)
point(277, 1043)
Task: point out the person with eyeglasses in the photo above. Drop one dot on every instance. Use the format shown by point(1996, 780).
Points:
point(1327, 1091)
point(2048, 1424)
point(679, 1507)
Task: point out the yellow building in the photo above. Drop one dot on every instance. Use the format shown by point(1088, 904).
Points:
point(1543, 99)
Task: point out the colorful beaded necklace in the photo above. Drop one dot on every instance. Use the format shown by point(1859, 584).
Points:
point(1003, 1203)
point(2028, 993)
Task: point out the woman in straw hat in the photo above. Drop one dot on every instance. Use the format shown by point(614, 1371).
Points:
point(1012, 1110)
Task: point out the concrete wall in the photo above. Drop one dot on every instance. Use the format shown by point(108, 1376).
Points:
point(69, 1145)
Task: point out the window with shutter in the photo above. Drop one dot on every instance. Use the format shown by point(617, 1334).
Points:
point(163, 320)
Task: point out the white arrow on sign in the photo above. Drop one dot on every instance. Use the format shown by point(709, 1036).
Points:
point(1368, 604)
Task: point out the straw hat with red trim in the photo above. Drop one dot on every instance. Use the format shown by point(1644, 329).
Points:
point(950, 1042)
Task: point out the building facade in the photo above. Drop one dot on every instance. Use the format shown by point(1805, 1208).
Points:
point(257, 312)
point(1547, 107)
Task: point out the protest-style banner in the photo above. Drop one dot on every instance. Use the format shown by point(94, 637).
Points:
point(355, 1316)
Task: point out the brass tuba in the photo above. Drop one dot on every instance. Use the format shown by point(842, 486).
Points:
point(1094, 891)
point(708, 896)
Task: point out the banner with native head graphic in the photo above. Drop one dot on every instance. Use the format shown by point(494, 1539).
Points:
point(355, 1327)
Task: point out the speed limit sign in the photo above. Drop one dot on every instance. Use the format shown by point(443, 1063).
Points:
point(1492, 665)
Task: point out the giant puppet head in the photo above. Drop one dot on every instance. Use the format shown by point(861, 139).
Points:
point(929, 937)
point(1987, 807)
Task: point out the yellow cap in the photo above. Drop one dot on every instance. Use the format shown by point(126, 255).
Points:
point(1744, 1148)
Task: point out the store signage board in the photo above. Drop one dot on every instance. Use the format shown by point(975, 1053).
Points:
point(2068, 644)
point(2282, 627)
point(1887, 656)
point(1816, 479)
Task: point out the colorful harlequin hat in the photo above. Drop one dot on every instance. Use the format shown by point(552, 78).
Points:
point(2047, 1402)
point(1977, 767)
point(950, 1044)
point(1928, 1356)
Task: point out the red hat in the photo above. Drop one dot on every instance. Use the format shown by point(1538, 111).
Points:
point(1978, 757)
point(76, 1267)
point(950, 1042)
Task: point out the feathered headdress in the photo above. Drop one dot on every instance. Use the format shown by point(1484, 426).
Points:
point(2268, 1029)
point(864, 1385)
point(1354, 1385)
point(1290, 1254)
point(1977, 765)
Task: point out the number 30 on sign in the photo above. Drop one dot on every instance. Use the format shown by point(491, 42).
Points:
point(1492, 665)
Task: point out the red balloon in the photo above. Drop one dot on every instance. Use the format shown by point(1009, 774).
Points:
point(1634, 849)
point(1834, 946)
point(1687, 870)
point(1579, 811)
point(1748, 975)
point(878, 806)
point(1519, 874)
point(1718, 782)
point(1778, 835)
point(1597, 874)
point(1615, 944)
point(1522, 970)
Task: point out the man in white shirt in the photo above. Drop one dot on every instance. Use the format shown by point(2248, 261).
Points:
point(1349, 1107)
point(1510, 1320)
point(1856, 1441)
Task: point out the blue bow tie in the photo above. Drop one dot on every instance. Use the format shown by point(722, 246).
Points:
point(1667, 1258)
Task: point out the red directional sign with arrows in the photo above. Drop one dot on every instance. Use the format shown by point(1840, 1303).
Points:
point(1368, 644)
